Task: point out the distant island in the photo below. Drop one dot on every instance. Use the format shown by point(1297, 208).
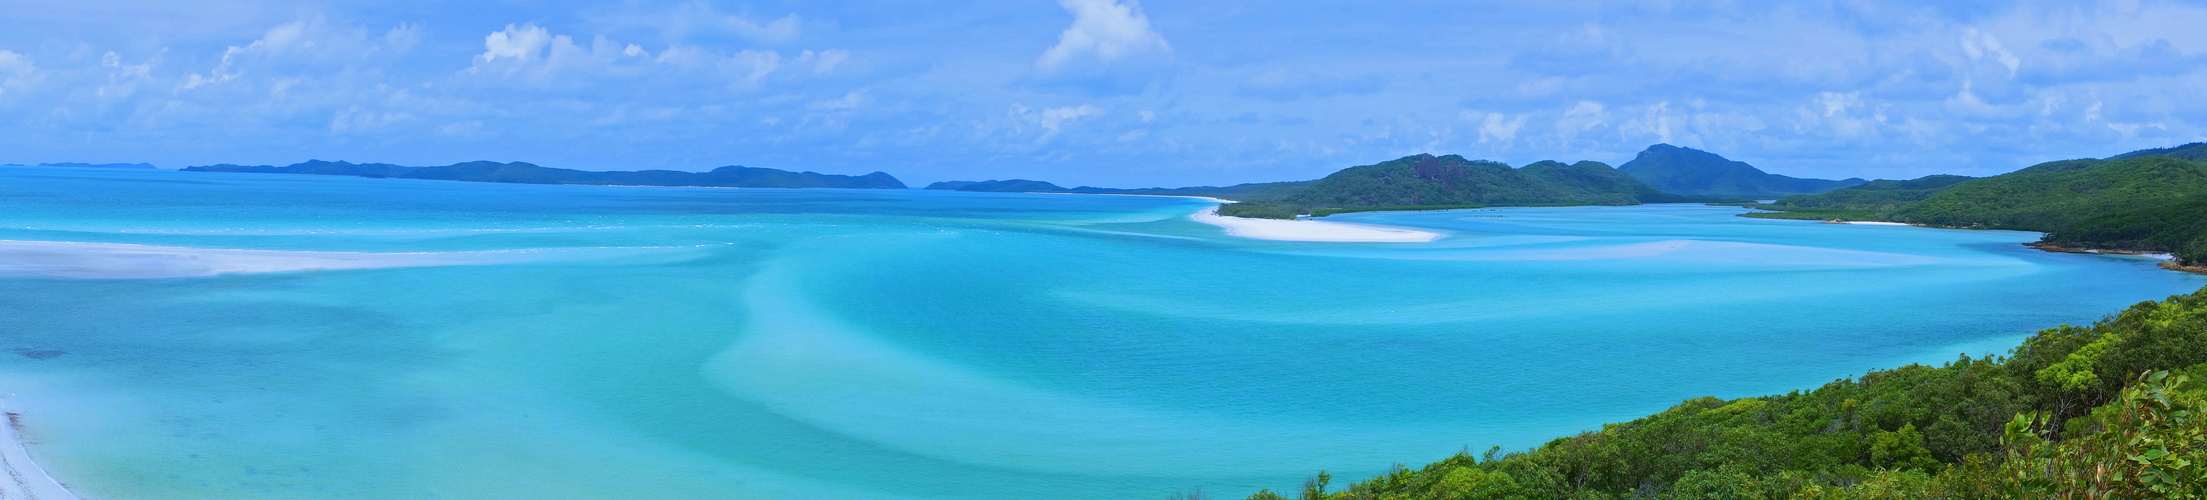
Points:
point(134, 166)
point(1255, 191)
point(526, 173)
point(2149, 201)
point(1661, 174)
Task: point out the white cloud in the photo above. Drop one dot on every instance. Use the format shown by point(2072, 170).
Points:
point(16, 72)
point(1104, 29)
point(823, 61)
point(403, 37)
point(701, 16)
point(309, 41)
point(1495, 127)
point(852, 100)
point(1978, 45)
point(525, 43)
point(1053, 118)
point(533, 55)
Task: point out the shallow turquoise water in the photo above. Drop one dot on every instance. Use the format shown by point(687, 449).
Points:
point(717, 343)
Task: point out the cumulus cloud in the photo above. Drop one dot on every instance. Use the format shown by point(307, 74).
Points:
point(1495, 127)
point(1050, 121)
point(1982, 45)
point(696, 20)
point(532, 55)
point(525, 43)
point(1053, 118)
point(16, 72)
point(1103, 30)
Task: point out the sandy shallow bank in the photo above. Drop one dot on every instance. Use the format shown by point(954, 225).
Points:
point(1309, 230)
point(114, 260)
point(25, 478)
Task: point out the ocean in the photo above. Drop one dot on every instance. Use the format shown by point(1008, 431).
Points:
point(197, 335)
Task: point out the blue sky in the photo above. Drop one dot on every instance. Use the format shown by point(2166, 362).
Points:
point(1100, 92)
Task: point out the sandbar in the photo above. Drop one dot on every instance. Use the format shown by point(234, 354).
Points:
point(1310, 230)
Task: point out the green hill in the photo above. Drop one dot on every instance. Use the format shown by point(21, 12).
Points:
point(2049, 199)
point(2193, 151)
point(526, 173)
point(2149, 201)
point(1427, 180)
point(1689, 171)
point(1867, 201)
point(2112, 410)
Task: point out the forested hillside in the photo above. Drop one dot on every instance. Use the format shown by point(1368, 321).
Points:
point(2131, 202)
point(2113, 410)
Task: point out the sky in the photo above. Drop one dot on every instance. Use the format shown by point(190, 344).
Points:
point(1113, 93)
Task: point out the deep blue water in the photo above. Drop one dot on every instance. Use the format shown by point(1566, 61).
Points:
point(580, 341)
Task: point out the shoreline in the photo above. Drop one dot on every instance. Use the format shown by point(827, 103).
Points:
point(1310, 230)
point(25, 478)
point(2168, 261)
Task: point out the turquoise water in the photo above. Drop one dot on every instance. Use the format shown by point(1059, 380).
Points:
point(611, 342)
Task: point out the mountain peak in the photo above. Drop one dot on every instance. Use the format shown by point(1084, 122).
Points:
point(1689, 171)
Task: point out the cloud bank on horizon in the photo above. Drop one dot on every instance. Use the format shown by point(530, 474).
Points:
point(1101, 92)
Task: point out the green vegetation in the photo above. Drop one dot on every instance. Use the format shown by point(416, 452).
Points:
point(1689, 171)
point(2179, 227)
point(2193, 151)
point(2050, 199)
point(1424, 180)
point(525, 173)
point(2114, 410)
point(1262, 210)
point(2132, 202)
point(1877, 197)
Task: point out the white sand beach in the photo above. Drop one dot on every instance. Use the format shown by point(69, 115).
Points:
point(1309, 230)
point(25, 478)
point(1875, 223)
point(111, 260)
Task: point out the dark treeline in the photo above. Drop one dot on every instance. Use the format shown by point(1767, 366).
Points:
point(2113, 410)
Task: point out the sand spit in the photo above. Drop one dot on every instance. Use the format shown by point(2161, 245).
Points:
point(113, 260)
point(25, 478)
point(1309, 230)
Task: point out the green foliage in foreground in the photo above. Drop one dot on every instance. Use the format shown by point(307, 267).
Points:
point(2114, 410)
